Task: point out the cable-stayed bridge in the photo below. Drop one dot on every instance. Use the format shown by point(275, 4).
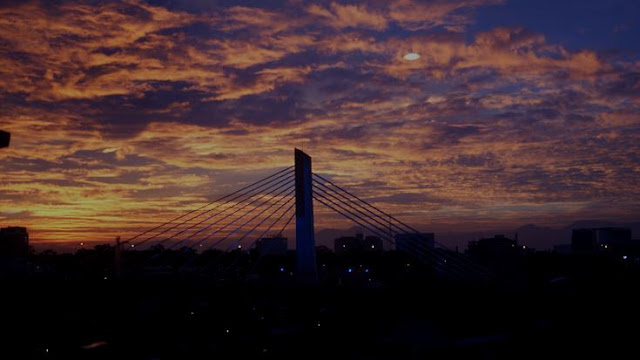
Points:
point(237, 221)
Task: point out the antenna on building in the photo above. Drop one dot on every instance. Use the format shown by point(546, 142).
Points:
point(117, 259)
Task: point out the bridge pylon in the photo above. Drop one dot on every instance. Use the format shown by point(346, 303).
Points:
point(307, 272)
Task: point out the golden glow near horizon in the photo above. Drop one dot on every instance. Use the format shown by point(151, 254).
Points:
point(125, 114)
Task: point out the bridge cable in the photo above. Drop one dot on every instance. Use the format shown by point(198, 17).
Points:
point(425, 248)
point(261, 236)
point(277, 186)
point(239, 193)
point(457, 256)
point(247, 194)
point(259, 214)
point(204, 206)
point(239, 227)
point(266, 218)
point(290, 186)
point(427, 252)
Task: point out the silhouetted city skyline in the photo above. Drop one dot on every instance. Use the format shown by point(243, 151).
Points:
point(293, 179)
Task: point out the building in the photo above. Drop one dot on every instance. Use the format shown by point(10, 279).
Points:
point(612, 236)
point(14, 242)
point(415, 242)
point(274, 245)
point(499, 253)
point(562, 249)
point(610, 239)
point(499, 245)
point(357, 244)
point(5, 138)
point(583, 241)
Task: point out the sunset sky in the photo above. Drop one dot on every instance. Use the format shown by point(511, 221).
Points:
point(127, 113)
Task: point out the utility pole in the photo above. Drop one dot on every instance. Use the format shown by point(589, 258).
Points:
point(117, 266)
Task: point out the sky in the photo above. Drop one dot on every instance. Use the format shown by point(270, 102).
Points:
point(127, 113)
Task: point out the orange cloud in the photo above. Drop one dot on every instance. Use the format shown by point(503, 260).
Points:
point(354, 16)
point(124, 115)
point(415, 15)
point(513, 52)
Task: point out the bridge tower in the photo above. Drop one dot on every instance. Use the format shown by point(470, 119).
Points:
point(305, 239)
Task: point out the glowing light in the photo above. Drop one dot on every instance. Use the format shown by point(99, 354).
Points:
point(624, 257)
point(105, 278)
point(281, 269)
point(350, 270)
point(81, 244)
point(239, 246)
point(373, 246)
point(133, 246)
point(412, 56)
point(95, 345)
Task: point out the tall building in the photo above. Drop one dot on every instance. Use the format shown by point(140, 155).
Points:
point(600, 239)
point(499, 253)
point(612, 236)
point(14, 242)
point(357, 244)
point(415, 241)
point(498, 245)
point(583, 241)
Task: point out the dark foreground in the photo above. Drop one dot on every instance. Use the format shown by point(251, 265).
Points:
point(170, 318)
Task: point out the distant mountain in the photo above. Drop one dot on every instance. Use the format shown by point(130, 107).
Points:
point(542, 237)
point(326, 236)
point(583, 224)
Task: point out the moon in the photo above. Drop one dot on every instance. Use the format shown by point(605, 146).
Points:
point(412, 56)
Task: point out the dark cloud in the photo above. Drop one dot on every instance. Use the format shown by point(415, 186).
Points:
point(117, 108)
point(627, 85)
point(409, 198)
point(480, 160)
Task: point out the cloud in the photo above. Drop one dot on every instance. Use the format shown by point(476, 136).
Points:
point(346, 15)
point(126, 110)
point(416, 15)
point(512, 52)
point(57, 47)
